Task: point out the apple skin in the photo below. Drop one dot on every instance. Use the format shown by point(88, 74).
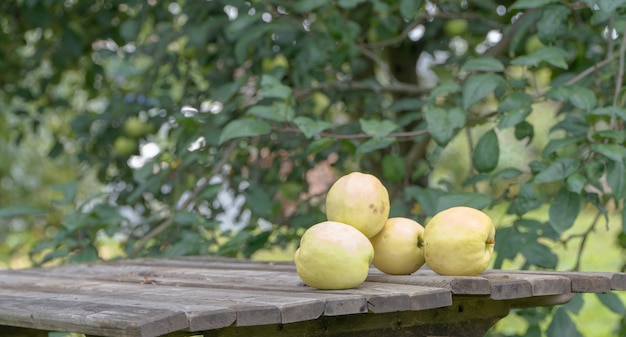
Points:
point(398, 247)
point(359, 200)
point(333, 255)
point(459, 241)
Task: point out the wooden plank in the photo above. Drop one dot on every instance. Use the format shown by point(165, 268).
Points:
point(252, 308)
point(458, 285)
point(200, 316)
point(208, 262)
point(541, 285)
point(88, 318)
point(379, 297)
point(584, 282)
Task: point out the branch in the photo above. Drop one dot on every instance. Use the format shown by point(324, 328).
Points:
point(620, 72)
point(584, 237)
point(590, 70)
point(169, 221)
point(396, 39)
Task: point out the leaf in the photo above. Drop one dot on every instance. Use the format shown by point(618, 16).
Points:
point(575, 304)
point(553, 23)
point(527, 4)
point(508, 173)
point(442, 124)
point(516, 106)
point(523, 130)
point(616, 178)
point(478, 86)
point(485, 63)
point(277, 112)
point(559, 170)
point(69, 191)
point(612, 151)
point(557, 144)
point(611, 111)
point(349, 4)
point(302, 6)
point(259, 200)
point(376, 128)
point(13, 211)
point(582, 98)
point(393, 168)
point(474, 200)
point(426, 197)
point(564, 210)
point(576, 182)
point(443, 89)
point(562, 325)
point(552, 55)
point(311, 127)
point(239, 128)
point(487, 152)
point(613, 302)
point(410, 8)
point(273, 88)
point(375, 144)
point(539, 255)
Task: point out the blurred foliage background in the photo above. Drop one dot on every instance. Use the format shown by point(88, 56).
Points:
point(170, 128)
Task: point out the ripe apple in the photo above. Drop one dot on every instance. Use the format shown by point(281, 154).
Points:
point(398, 247)
point(359, 200)
point(459, 241)
point(333, 255)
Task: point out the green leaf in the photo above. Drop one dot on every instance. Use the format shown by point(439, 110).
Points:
point(487, 152)
point(527, 4)
point(86, 254)
point(349, 4)
point(474, 200)
point(377, 128)
point(562, 325)
point(259, 200)
point(273, 88)
point(69, 191)
point(553, 23)
point(611, 111)
point(613, 302)
point(426, 197)
point(478, 86)
point(539, 255)
point(552, 55)
point(616, 178)
point(612, 151)
point(576, 182)
point(575, 304)
point(244, 128)
point(564, 210)
point(582, 98)
point(508, 173)
point(624, 220)
point(410, 8)
point(302, 6)
point(443, 89)
point(393, 168)
point(443, 124)
point(526, 200)
point(13, 211)
point(559, 170)
point(523, 130)
point(516, 106)
point(375, 144)
point(311, 127)
point(277, 112)
point(557, 144)
point(485, 63)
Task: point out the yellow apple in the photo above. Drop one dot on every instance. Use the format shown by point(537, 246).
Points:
point(459, 241)
point(398, 247)
point(333, 255)
point(359, 200)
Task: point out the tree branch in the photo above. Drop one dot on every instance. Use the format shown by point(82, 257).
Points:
point(590, 70)
point(396, 39)
point(398, 87)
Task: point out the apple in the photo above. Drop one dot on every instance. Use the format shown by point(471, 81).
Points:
point(454, 27)
point(135, 128)
point(359, 200)
point(459, 241)
point(533, 43)
point(124, 146)
point(398, 247)
point(333, 255)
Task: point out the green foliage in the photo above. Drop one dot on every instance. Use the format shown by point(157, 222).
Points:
point(215, 127)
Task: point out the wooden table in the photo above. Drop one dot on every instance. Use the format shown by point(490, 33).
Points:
point(227, 297)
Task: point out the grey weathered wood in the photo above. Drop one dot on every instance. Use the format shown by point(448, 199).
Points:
point(88, 318)
point(584, 282)
point(380, 297)
point(541, 285)
point(462, 285)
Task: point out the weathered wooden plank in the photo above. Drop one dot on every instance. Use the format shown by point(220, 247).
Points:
point(458, 285)
point(88, 318)
point(252, 307)
point(200, 316)
point(541, 285)
point(584, 282)
point(209, 262)
point(379, 297)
